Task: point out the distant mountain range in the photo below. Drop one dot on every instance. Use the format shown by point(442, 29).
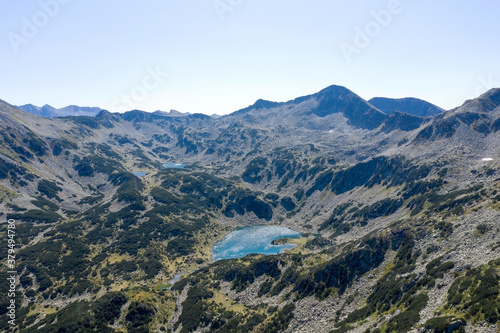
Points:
point(412, 106)
point(172, 113)
point(48, 111)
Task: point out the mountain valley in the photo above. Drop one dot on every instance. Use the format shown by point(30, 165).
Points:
point(397, 203)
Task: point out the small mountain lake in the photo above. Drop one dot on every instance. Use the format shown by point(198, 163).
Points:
point(247, 240)
point(174, 165)
point(169, 165)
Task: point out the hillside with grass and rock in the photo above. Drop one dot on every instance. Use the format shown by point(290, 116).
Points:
point(398, 211)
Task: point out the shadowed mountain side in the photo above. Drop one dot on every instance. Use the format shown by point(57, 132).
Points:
point(402, 121)
point(413, 106)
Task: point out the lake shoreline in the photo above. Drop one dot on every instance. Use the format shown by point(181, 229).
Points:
point(252, 240)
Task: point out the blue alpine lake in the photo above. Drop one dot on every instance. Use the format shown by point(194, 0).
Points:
point(140, 173)
point(249, 240)
point(174, 165)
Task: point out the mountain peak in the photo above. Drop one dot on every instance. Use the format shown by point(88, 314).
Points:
point(333, 90)
point(487, 102)
point(336, 89)
point(171, 113)
point(338, 99)
point(491, 98)
point(48, 107)
point(259, 104)
point(31, 105)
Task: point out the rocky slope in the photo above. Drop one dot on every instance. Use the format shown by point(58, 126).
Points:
point(398, 214)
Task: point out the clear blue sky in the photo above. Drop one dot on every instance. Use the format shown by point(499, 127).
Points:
point(223, 55)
